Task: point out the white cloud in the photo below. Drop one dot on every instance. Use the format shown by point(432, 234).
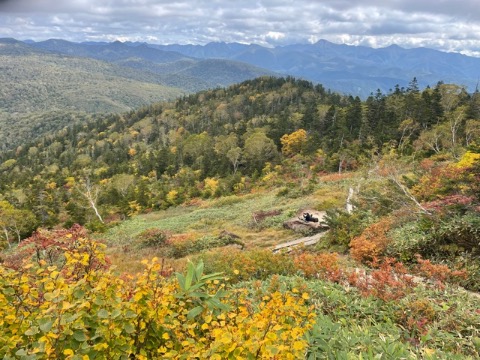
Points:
point(449, 25)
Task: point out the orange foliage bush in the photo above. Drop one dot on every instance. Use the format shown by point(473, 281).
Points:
point(321, 266)
point(389, 281)
point(438, 272)
point(372, 242)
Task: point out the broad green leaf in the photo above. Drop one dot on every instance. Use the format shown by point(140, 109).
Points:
point(194, 312)
point(130, 314)
point(189, 277)
point(181, 281)
point(32, 331)
point(103, 314)
point(129, 328)
point(199, 270)
point(45, 324)
point(116, 313)
point(79, 336)
point(79, 293)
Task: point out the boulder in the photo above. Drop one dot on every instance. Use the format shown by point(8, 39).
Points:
point(298, 222)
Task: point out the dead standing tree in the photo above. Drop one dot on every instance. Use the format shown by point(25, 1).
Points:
point(90, 192)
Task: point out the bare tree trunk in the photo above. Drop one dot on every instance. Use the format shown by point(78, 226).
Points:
point(90, 192)
point(349, 206)
point(5, 230)
point(408, 194)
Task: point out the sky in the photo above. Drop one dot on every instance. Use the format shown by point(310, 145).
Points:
point(447, 25)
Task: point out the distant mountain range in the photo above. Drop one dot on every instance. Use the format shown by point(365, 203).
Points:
point(113, 77)
point(356, 70)
point(185, 72)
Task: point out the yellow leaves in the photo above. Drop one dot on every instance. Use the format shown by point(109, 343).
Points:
point(10, 319)
point(85, 305)
point(52, 335)
point(294, 143)
point(138, 296)
point(49, 286)
point(68, 352)
point(299, 345)
point(172, 196)
point(429, 352)
point(66, 305)
point(468, 159)
point(121, 310)
point(305, 296)
point(271, 336)
point(100, 346)
point(211, 185)
point(132, 152)
point(25, 288)
point(51, 185)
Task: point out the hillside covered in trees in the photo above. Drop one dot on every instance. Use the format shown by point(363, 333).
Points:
point(166, 153)
point(272, 147)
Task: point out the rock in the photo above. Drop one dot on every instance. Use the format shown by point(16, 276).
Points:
point(299, 224)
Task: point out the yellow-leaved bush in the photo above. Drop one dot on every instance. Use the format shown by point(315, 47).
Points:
point(73, 311)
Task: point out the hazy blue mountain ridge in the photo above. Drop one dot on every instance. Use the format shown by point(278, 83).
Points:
point(357, 70)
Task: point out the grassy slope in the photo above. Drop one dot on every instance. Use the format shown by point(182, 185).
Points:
point(232, 213)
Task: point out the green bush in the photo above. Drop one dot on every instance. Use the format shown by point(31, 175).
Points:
point(344, 226)
point(152, 238)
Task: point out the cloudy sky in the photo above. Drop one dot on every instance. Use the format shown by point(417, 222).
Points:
point(449, 25)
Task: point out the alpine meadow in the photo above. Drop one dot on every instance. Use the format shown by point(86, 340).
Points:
point(159, 204)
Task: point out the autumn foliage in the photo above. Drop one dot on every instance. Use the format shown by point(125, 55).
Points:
point(324, 266)
point(372, 242)
point(389, 281)
point(70, 308)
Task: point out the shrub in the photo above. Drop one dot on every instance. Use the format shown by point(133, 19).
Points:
point(344, 226)
point(152, 238)
point(372, 242)
point(50, 247)
point(388, 282)
point(182, 248)
point(47, 314)
point(320, 266)
point(415, 316)
point(251, 264)
point(407, 240)
point(440, 273)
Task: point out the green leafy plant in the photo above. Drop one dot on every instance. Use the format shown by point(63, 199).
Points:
point(193, 288)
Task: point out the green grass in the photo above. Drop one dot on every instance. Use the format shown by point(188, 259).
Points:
point(232, 213)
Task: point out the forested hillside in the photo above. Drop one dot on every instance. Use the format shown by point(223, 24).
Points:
point(174, 179)
point(227, 136)
point(73, 81)
point(35, 80)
